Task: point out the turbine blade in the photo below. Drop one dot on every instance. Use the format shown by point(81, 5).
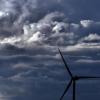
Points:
point(88, 77)
point(68, 86)
point(65, 63)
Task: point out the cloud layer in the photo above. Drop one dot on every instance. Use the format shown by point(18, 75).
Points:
point(30, 33)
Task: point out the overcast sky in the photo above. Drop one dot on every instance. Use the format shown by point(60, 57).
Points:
point(30, 33)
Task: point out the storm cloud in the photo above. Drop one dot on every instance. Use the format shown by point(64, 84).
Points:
point(31, 32)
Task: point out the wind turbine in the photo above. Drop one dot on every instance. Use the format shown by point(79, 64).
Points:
point(73, 79)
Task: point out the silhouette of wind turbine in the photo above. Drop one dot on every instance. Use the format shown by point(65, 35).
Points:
point(73, 79)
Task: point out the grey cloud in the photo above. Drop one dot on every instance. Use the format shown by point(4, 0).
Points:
point(30, 12)
point(83, 46)
point(87, 23)
point(14, 15)
point(90, 24)
point(88, 61)
point(36, 32)
point(92, 37)
point(51, 33)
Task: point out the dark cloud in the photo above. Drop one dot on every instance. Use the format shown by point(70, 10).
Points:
point(30, 33)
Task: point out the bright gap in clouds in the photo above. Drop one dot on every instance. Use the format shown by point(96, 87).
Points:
point(3, 14)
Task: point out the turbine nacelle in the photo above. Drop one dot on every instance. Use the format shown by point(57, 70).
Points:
point(75, 78)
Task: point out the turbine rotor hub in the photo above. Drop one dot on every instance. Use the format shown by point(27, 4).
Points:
point(75, 78)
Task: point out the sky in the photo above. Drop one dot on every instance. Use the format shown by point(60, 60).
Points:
point(31, 31)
